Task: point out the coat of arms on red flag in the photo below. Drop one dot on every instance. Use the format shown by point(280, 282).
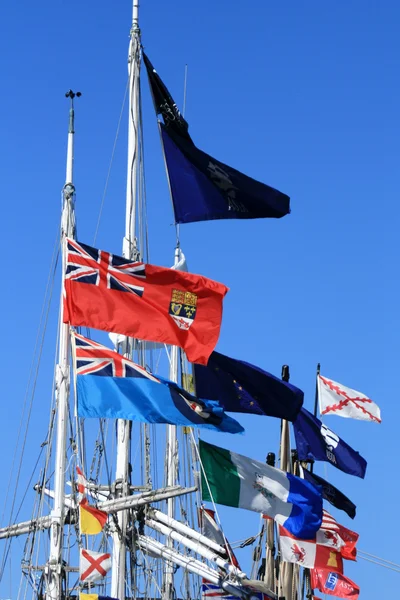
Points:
point(108, 292)
point(183, 308)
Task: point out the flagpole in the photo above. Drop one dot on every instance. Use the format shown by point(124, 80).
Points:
point(54, 574)
point(286, 569)
point(129, 251)
point(316, 390)
point(171, 466)
point(269, 574)
point(307, 572)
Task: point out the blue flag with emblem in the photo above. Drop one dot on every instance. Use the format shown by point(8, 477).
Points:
point(315, 441)
point(244, 388)
point(202, 187)
point(112, 386)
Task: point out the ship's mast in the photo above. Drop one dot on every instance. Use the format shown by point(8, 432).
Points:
point(53, 570)
point(129, 251)
point(130, 243)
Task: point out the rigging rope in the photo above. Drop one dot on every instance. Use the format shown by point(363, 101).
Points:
point(379, 561)
point(110, 166)
point(212, 499)
point(33, 373)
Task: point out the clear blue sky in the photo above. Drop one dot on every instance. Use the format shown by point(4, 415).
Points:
point(301, 95)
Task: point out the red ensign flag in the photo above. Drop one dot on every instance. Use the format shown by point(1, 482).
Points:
point(108, 292)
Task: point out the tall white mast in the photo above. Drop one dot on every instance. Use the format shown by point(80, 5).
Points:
point(53, 570)
point(129, 251)
point(129, 244)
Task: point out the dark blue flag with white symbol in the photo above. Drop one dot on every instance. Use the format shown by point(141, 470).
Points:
point(112, 386)
point(244, 388)
point(205, 189)
point(315, 441)
point(202, 187)
point(332, 494)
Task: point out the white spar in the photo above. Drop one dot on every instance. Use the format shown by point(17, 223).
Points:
point(188, 531)
point(196, 546)
point(191, 564)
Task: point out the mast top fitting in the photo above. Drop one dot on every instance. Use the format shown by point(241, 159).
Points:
point(71, 94)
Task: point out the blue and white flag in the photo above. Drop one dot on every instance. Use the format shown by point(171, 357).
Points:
point(235, 480)
point(315, 441)
point(112, 386)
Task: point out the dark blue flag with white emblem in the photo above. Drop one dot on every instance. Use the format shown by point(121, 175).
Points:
point(244, 388)
point(315, 441)
point(110, 385)
point(203, 188)
point(332, 494)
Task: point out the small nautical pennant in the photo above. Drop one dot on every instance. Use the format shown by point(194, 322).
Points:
point(91, 519)
point(81, 485)
point(94, 565)
point(337, 399)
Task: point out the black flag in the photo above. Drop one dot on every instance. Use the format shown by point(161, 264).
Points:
point(332, 494)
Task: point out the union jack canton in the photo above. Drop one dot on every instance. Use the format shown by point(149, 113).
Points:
point(92, 358)
point(103, 269)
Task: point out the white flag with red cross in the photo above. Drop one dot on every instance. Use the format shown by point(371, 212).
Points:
point(337, 399)
point(94, 565)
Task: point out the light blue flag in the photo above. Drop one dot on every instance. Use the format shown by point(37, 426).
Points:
point(112, 386)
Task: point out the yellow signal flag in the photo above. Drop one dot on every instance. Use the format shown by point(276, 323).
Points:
point(91, 521)
point(96, 597)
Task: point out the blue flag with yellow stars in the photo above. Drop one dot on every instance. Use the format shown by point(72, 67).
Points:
point(244, 388)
